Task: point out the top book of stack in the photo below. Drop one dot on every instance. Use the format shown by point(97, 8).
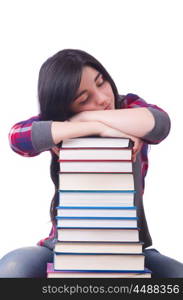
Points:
point(94, 148)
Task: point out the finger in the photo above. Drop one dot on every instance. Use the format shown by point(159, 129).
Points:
point(56, 150)
point(136, 150)
point(136, 145)
point(134, 157)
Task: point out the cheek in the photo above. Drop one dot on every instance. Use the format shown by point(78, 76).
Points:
point(109, 90)
point(110, 94)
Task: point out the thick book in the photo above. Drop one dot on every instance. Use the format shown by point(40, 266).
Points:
point(98, 261)
point(96, 181)
point(95, 222)
point(98, 234)
point(99, 247)
point(85, 211)
point(95, 154)
point(97, 142)
point(51, 273)
point(88, 166)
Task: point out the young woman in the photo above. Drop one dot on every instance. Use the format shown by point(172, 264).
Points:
point(77, 98)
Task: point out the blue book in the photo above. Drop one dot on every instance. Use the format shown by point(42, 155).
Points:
point(87, 211)
point(102, 222)
point(98, 247)
point(93, 198)
point(106, 234)
point(52, 273)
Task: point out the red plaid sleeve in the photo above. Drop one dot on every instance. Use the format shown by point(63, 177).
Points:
point(20, 137)
point(134, 101)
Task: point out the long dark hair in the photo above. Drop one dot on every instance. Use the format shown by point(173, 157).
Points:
point(59, 80)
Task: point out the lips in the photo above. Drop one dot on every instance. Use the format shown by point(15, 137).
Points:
point(107, 107)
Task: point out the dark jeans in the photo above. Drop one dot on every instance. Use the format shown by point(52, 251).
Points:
point(30, 262)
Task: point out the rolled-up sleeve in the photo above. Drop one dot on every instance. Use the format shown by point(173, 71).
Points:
point(41, 136)
point(162, 120)
point(161, 128)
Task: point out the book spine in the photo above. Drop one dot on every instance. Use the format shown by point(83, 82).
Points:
point(98, 207)
point(96, 218)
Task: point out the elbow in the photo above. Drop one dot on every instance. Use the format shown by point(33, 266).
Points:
point(161, 127)
point(164, 128)
point(12, 137)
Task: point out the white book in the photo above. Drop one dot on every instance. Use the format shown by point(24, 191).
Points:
point(96, 181)
point(96, 142)
point(98, 247)
point(96, 198)
point(94, 202)
point(96, 166)
point(99, 261)
point(98, 234)
point(65, 211)
point(96, 222)
point(95, 154)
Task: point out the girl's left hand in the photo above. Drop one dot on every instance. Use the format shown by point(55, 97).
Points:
point(138, 143)
point(56, 150)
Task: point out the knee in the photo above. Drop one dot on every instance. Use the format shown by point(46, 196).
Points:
point(162, 265)
point(11, 267)
point(25, 262)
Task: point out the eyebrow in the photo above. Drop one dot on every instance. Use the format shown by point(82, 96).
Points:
point(84, 91)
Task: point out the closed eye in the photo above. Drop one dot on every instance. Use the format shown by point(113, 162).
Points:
point(100, 81)
point(83, 102)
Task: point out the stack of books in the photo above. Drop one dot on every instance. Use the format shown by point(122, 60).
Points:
point(98, 235)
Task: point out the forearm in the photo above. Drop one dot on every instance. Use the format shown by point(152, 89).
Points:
point(134, 121)
point(65, 130)
point(47, 134)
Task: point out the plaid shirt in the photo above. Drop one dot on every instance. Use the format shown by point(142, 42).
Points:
point(21, 143)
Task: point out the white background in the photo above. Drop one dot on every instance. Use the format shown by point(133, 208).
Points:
point(140, 44)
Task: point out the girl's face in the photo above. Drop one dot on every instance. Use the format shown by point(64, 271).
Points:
point(94, 93)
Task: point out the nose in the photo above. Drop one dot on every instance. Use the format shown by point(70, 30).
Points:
point(101, 99)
